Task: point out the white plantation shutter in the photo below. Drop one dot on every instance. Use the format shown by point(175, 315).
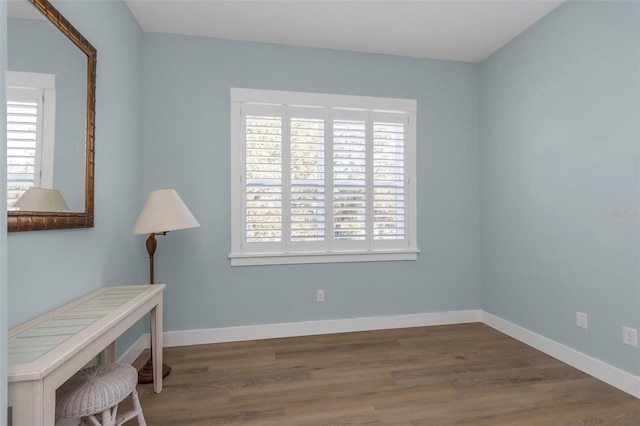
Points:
point(24, 141)
point(349, 179)
point(263, 178)
point(325, 180)
point(389, 178)
point(307, 188)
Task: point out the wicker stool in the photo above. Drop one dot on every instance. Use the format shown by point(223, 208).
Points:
point(98, 390)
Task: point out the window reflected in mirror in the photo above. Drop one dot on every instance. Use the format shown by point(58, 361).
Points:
point(31, 111)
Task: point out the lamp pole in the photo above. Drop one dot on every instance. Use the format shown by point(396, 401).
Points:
point(145, 374)
point(152, 243)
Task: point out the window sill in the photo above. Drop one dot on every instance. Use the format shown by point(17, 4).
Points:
point(255, 259)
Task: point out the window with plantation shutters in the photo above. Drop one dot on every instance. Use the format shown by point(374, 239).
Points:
point(321, 178)
point(30, 132)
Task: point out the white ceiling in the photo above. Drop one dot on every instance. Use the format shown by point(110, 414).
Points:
point(460, 30)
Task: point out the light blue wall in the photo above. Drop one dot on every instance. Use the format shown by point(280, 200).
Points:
point(50, 268)
point(186, 147)
point(559, 149)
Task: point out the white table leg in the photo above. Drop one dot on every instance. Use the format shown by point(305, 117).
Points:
point(156, 346)
point(27, 402)
point(49, 404)
point(109, 354)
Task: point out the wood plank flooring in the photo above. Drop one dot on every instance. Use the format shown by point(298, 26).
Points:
point(466, 374)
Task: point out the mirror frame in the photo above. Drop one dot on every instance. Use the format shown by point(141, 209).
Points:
point(36, 221)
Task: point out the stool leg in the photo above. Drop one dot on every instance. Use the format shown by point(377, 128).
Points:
point(107, 418)
point(138, 408)
point(136, 412)
point(94, 421)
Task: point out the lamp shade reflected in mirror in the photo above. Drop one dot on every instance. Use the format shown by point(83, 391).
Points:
point(41, 200)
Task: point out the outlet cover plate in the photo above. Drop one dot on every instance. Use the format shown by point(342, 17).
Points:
point(581, 320)
point(630, 336)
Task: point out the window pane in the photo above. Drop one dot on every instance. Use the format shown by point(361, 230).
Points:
point(263, 179)
point(349, 180)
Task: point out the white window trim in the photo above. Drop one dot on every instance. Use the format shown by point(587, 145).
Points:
point(239, 97)
point(255, 259)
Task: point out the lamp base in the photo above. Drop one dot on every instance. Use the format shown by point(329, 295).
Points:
point(145, 374)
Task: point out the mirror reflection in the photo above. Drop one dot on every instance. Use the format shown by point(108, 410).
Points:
point(46, 109)
point(50, 120)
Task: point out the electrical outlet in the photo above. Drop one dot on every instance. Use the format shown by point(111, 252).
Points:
point(630, 336)
point(581, 320)
point(320, 296)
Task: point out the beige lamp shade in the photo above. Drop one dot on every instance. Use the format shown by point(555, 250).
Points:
point(164, 211)
point(37, 199)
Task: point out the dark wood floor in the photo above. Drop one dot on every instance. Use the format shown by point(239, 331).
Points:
point(464, 374)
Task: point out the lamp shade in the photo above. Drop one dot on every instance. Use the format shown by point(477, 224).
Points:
point(37, 199)
point(164, 211)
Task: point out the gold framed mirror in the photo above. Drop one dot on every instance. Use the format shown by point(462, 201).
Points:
point(20, 220)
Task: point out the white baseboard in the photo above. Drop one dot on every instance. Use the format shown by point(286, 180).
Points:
point(310, 328)
point(306, 328)
point(620, 379)
point(615, 377)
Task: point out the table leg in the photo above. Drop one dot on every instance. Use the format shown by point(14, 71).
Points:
point(156, 346)
point(27, 402)
point(109, 354)
point(49, 404)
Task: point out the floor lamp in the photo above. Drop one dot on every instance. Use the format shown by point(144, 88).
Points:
point(164, 211)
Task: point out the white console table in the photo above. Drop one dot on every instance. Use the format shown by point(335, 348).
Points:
point(47, 351)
